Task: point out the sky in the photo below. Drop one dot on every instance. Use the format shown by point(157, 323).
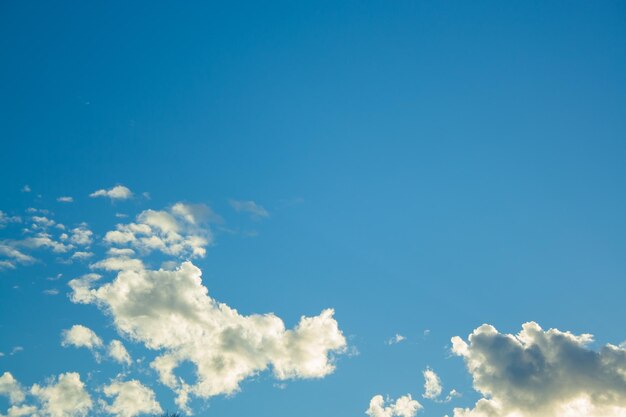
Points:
point(408, 208)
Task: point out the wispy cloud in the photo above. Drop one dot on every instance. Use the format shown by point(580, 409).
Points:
point(255, 210)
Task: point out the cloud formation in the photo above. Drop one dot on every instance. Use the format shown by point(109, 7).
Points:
point(542, 373)
point(171, 312)
point(131, 398)
point(404, 406)
point(81, 336)
point(65, 397)
point(119, 192)
point(432, 384)
point(177, 231)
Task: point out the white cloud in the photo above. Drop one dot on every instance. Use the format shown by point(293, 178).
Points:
point(118, 352)
point(119, 192)
point(432, 384)
point(9, 387)
point(52, 291)
point(65, 199)
point(404, 406)
point(80, 256)
point(176, 231)
point(81, 336)
point(44, 240)
point(131, 399)
point(396, 339)
point(170, 311)
point(26, 189)
point(65, 397)
point(81, 235)
point(255, 210)
point(539, 373)
point(118, 263)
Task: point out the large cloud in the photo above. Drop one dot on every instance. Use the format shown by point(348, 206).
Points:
point(539, 373)
point(171, 311)
point(404, 406)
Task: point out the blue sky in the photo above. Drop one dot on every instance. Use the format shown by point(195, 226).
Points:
point(421, 168)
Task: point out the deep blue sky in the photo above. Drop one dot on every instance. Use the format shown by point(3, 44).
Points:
point(426, 165)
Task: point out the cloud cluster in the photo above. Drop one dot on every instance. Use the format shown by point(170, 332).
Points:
point(171, 311)
point(404, 406)
point(80, 336)
point(542, 373)
point(177, 231)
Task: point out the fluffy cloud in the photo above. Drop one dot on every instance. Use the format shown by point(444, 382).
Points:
point(81, 235)
point(432, 384)
point(177, 231)
point(255, 210)
point(66, 397)
point(131, 399)
point(10, 388)
point(539, 373)
point(119, 192)
point(81, 336)
point(118, 352)
point(171, 311)
point(404, 406)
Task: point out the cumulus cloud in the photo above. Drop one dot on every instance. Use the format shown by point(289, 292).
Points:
point(432, 384)
point(539, 373)
point(404, 406)
point(119, 192)
point(9, 387)
point(81, 235)
point(131, 399)
point(171, 312)
point(255, 210)
point(177, 231)
point(81, 336)
point(65, 397)
point(118, 352)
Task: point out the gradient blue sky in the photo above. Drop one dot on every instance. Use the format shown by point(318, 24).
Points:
point(425, 165)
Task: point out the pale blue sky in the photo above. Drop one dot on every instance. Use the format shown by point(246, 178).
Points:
point(424, 166)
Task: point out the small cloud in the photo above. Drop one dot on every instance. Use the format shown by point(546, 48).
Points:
point(396, 339)
point(26, 189)
point(15, 350)
point(255, 210)
point(80, 256)
point(426, 333)
point(119, 192)
point(52, 291)
point(65, 199)
point(121, 215)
